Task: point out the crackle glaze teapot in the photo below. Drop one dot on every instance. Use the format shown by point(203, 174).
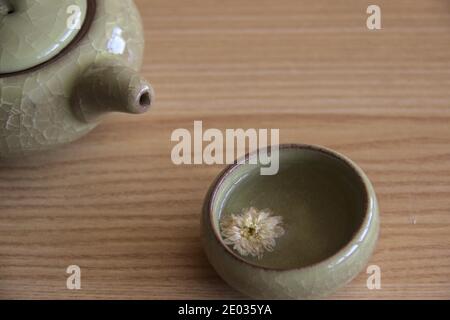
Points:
point(63, 64)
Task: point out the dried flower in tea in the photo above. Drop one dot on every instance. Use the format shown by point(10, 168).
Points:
point(252, 232)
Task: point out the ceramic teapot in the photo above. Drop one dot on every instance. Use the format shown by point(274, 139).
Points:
point(63, 64)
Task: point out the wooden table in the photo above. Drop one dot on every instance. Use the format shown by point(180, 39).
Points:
point(114, 203)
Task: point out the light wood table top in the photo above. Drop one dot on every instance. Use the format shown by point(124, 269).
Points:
point(114, 203)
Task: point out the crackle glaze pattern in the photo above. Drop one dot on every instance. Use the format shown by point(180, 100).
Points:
point(35, 109)
point(310, 282)
point(37, 31)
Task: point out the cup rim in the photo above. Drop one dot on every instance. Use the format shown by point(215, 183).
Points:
point(339, 256)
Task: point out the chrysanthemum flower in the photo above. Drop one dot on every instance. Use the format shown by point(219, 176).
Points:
point(251, 232)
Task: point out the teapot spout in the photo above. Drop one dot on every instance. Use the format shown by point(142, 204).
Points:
point(107, 88)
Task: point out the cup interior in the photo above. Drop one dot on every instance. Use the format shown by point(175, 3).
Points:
point(320, 196)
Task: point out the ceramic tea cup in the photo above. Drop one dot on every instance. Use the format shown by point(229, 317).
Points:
point(330, 220)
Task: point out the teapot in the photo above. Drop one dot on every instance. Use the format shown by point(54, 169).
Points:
point(63, 65)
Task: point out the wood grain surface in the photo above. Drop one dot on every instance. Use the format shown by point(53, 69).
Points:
point(114, 203)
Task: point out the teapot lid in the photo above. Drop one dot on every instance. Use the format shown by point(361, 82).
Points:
point(33, 32)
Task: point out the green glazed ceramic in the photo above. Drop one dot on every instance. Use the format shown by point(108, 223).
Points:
point(64, 64)
point(330, 218)
point(31, 34)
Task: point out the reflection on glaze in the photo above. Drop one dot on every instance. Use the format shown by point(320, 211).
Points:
point(345, 256)
point(49, 51)
point(116, 45)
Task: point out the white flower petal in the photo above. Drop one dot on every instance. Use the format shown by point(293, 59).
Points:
point(252, 232)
